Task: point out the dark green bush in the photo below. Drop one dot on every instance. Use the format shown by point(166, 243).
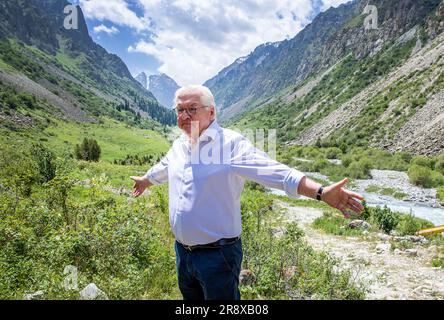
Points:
point(385, 218)
point(89, 150)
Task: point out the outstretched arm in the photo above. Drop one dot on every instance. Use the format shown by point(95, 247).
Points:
point(334, 195)
point(158, 174)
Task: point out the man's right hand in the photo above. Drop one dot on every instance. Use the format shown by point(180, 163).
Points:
point(140, 184)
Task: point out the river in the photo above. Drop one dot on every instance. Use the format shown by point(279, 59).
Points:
point(420, 210)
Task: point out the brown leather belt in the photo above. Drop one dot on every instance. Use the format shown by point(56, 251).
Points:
point(212, 245)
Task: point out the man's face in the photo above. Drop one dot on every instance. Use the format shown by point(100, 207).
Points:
point(203, 116)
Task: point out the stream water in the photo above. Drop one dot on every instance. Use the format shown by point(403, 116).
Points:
point(420, 210)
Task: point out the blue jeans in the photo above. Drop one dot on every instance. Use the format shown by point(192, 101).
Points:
point(210, 274)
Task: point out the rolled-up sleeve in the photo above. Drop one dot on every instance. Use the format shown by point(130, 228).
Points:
point(158, 173)
point(254, 164)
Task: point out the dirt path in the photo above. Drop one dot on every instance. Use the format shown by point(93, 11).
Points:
point(387, 274)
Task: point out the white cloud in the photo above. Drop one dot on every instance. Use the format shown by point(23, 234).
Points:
point(196, 39)
point(103, 28)
point(116, 11)
point(193, 40)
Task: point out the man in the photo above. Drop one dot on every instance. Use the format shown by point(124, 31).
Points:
point(206, 169)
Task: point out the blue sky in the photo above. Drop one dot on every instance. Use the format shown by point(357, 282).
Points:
point(189, 40)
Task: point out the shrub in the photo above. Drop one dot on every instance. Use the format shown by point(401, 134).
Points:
point(422, 161)
point(420, 176)
point(385, 218)
point(409, 224)
point(437, 178)
point(254, 186)
point(320, 164)
point(333, 153)
point(439, 165)
point(346, 161)
point(45, 162)
point(359, 169)
point(438, 262)
point(89, 150)
point(405, 156)
point(366, 213)
point(440, 194)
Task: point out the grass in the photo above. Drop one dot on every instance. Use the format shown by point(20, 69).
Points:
point(6, 67)
point(336, 224)
point(115, 139)
point(440, 194)
point(438, 262)
point(386, 191)
point(403, 224)
point(116, 175)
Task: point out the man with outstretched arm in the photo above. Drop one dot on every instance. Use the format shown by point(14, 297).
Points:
point(206, 169)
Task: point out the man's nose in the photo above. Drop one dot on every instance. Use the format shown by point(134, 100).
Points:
point(185, 115)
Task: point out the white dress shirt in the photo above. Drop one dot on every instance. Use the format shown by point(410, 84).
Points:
point(206, 181)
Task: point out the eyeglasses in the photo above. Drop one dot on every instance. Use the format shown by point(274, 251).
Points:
point(191, 111)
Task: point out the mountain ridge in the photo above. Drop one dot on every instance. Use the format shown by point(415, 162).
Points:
point(318, 46)
point(69, 64)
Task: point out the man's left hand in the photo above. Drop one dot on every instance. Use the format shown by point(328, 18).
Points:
point(343, 200)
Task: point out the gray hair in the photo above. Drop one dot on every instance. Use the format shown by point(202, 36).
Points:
point(206, 97)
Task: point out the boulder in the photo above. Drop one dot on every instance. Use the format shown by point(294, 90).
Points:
point(411, 252)
point(246, 277)
point(359, 224)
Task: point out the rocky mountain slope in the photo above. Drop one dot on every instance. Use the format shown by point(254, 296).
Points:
point(142, 79)
point(163, 88)
point(330, 36)
point(65, 68)
point(383, 90)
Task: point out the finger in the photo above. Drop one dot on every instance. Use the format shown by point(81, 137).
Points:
point(356, 204)
point(354, 194)
point(341, 183)
point(354, 208)
point(341, 207)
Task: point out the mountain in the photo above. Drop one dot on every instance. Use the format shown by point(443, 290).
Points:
point(65, 70)
point(331, 36)
point(379, 88)
point(163, 88)
point(142, 79)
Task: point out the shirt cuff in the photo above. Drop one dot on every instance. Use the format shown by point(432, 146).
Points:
point(291, 183)
point(150, 178)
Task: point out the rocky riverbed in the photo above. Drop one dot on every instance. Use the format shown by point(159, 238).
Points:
point(385, 273)
point(421, 202)
point(400, 182)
